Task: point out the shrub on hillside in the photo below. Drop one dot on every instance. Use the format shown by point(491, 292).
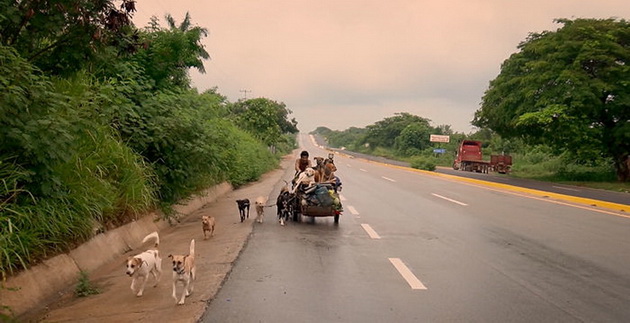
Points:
point(423, 162)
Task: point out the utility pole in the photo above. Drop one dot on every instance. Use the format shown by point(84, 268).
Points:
point(245, 93)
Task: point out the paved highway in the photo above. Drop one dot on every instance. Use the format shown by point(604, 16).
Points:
point(418, 247)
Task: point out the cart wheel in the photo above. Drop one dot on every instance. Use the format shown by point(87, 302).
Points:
point(336, 218)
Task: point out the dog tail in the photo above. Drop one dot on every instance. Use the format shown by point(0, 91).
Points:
point(152, 235)
point(192, 247)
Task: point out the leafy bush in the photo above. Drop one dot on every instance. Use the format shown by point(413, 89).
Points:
point(246, 158)
point(169, 131)
point(63, 173)
point(424, 163)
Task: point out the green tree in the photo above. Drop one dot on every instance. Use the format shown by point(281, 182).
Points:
point(413, 139)
point(568, 89)
point(171, 51)
point(63, 36)
point(265, 119)
point(383, 133)
point(349, 138)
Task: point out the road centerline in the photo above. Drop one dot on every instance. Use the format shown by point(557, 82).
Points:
point(370, 231)
point(389, 179)
point(448, 199)
point(406, 273)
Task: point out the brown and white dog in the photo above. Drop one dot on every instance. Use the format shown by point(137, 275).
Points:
point(207, 224)
point(184, 271)
point(260, 208)
point(143, 264)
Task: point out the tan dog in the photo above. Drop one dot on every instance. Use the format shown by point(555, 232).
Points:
point(207, 224)
point(184, 271)
point(329, 171)
point(319, 169)
point(143, 264)
point(260, 208)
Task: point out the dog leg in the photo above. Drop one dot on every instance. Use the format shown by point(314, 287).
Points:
point(184, 294)
point(133, 285)
point(158, 264)
point(156, 275)
point(193, 276)
point(144, 282)
point(175, 291)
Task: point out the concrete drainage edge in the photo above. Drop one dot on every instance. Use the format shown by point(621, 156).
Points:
point(40, 285)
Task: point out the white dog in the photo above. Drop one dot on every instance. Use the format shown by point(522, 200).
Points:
point(148, 262)
point(184, 271)
point(305, 177)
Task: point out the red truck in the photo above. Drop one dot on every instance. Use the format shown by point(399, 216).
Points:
point(469, 158)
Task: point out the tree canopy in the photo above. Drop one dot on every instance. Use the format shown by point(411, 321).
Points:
point(264, 118)
point(384, 132)
point(170, 52)
point(63, 36)
point(568, 89)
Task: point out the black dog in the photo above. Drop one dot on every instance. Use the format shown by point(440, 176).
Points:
point(284, 207)
point(243, 205)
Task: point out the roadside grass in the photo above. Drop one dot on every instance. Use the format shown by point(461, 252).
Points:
point(85, 287)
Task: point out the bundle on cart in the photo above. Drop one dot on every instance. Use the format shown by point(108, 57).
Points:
point(320, 197)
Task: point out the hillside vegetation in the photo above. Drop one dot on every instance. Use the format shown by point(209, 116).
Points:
point(99, 125)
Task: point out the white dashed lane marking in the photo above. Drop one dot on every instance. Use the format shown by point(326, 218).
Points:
point(370, 231)
point(389, 179)
point(352, 210)
point(450, 200)
point(411, 279)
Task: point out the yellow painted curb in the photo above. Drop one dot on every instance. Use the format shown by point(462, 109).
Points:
point(573, 199)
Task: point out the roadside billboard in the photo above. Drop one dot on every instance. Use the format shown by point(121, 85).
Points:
point(439, 138)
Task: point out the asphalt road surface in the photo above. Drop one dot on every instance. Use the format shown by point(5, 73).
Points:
point(413, 247)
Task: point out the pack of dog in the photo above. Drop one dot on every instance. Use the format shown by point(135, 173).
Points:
point(149, 262)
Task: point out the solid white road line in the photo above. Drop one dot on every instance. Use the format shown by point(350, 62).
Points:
point(370, 231)
point(411, 279)
point(566, 188)
point(389, 179)
point(450, 200)
point(353, 210)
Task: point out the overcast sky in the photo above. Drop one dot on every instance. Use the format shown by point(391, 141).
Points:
point(342, 64)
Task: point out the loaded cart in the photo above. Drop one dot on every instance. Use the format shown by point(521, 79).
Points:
point(318, 199)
